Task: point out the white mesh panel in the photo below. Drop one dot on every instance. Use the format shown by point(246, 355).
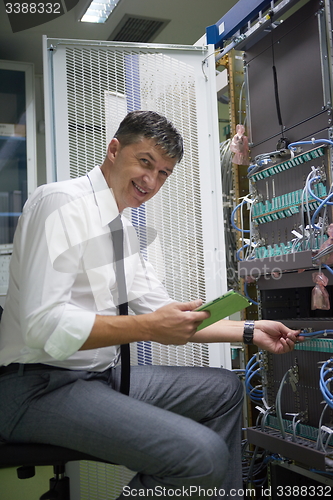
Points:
point(100, 481)
point(94, 86)
point(101, 85)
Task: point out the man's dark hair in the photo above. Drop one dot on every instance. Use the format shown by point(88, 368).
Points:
point(138, 125)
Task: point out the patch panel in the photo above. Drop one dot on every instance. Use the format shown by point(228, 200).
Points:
point(286, 165)
point(302, 431)
point(318, 345)
point(263, 252)
point(286, 205)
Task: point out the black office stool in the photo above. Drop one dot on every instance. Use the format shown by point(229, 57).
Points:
point(28, 456)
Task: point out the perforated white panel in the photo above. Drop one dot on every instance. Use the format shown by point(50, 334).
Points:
point(102, 481)
point(96, 85)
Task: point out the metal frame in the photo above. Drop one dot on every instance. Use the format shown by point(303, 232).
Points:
point(28, 69)
point(324, 56)
point(234, 19)
point(240, 26)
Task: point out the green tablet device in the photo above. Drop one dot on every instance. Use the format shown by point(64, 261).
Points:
point(229, 303)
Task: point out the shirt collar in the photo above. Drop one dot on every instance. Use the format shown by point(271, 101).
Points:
point(104, 196)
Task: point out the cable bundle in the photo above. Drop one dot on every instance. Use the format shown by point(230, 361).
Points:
point(253, 369)
point(325, 380)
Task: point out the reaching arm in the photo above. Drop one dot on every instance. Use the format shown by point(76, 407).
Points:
point(176, 324)
point(272, 336)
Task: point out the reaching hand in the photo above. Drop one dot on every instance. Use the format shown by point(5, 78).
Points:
point(275, 337)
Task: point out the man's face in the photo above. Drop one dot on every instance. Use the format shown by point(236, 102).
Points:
point(136, 172)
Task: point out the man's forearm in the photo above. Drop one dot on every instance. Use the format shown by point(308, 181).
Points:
point(115, 330)
point(221, 331)
point(272, 336)
point(173, 324)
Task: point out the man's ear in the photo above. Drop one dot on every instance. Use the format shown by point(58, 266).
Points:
point(113, 148)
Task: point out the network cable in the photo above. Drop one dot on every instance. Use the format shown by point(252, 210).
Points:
point(246, 293)
point(325, 472)
point(230, 237)
point(253, 369)
point(309, 229)
point(233, 217)
point(324, 381)
point(253, 465)
point(292, 145)
point(278, 403)
point(312, 179)
point(240, 250)
point(305, 203)
point(320, 443)
point(318, 209)
point(319, 333)
point(306, 238)
point(322, 253)
point(263, 159)
point(324, 202)
point(295, 423)
point(244, 245)
point(329, 269)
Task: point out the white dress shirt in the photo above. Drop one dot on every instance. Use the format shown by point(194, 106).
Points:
point(62, 274)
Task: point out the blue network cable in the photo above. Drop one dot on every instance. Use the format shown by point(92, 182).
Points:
point(319, 333)
point(329, 269)
point(292, 145)
point(251, 167)
point(233, 215)
point(252, 369)
point(240, 250)
point(316, 178)
point(248, 296)
point(323, 203)
point(325, 379)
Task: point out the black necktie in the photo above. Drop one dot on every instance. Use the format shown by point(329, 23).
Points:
point(117, 232)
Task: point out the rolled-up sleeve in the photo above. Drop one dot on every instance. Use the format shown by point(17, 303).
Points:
point(71, 332)
point(49, 318)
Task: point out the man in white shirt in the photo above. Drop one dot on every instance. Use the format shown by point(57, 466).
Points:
point(60, 333)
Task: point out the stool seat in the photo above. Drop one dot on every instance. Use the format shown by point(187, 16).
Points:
point(22, 454)
point(26, 456)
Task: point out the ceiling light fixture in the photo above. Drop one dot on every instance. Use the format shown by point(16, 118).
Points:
point(98, 11)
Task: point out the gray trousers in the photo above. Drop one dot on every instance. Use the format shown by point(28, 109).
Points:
point(180, 429)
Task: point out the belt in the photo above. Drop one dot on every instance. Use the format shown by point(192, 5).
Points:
point(21, 368)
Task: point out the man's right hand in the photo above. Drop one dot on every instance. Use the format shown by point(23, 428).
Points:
point(175, 323)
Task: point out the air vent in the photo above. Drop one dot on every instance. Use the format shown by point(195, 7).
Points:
point(137, 29)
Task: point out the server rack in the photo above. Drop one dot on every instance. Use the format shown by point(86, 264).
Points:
point(287, 248)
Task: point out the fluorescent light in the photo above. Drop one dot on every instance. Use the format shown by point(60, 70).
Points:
point(99, 11)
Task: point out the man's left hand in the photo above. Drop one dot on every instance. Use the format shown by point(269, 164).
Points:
point(275, 337)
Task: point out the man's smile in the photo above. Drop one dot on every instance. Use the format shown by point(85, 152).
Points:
point(142, 191)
